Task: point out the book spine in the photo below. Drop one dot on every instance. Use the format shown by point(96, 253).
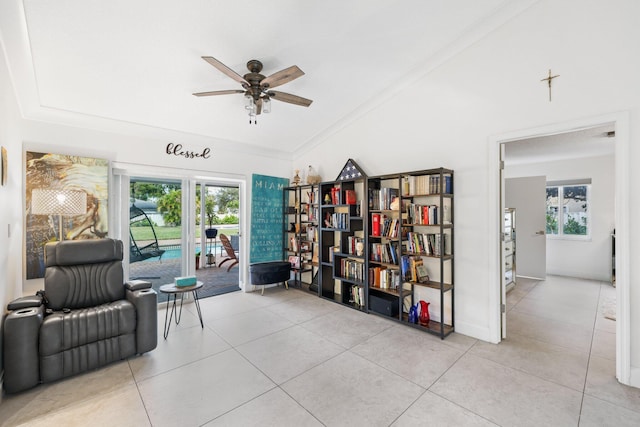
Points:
point(375, 224)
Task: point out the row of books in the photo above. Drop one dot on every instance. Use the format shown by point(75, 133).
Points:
point(384, 252)
point(413, 269)
point(356, 295)
point(384, 226)
point(384, 278)
point(426, 184)
point(336, 196)
point(381, 199)
point(422, 214)
point(352, 269)
point(337, 220)
point(312, 212)
point(427, 244)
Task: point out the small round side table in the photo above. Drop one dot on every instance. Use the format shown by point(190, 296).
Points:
point(172, 289)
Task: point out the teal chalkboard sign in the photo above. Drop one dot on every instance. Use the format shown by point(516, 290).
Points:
point(267, 219)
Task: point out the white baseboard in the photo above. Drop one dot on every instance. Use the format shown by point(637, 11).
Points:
point(634, 378)
point(474, 331)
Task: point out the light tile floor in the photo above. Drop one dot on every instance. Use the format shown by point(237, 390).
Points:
point(291, 359)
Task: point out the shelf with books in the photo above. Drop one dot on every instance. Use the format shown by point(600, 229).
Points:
point(301, 233)
point(343, 243)
point(427, 262)
point(385, 220)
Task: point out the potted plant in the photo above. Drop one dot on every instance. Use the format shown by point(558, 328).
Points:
point(209, 206)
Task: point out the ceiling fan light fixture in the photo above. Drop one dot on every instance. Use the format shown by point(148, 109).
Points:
point(257, 88)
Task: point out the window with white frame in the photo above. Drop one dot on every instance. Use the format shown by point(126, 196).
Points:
point(568, 208)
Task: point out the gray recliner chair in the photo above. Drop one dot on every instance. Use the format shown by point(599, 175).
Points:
point(85, 318)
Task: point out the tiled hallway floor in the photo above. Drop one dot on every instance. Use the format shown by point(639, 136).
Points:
point(291, 359)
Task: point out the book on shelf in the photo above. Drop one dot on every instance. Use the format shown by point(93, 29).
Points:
point(356, 295)
point(413, 269)
point(315, 256)
point(422, 273)
point(422, 214)
point(382, 199)
point(375, 224)
point(335, 195)
point(350, 197)
point(384, 252)
point(424, 185)
point(352, 269)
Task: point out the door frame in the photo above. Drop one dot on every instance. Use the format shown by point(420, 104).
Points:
point(622, 216)
point(123, 171)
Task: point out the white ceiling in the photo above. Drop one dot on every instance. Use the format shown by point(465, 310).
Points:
point(137, 62)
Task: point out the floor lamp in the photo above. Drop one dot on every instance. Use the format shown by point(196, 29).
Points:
point(58, 202)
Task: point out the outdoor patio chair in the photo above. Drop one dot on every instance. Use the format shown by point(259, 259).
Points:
point(231, 254)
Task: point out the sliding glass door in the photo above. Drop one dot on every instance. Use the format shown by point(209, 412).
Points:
point(217, 231)
point(155, 230)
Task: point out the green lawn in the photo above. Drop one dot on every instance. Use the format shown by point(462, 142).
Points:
point(170, 233)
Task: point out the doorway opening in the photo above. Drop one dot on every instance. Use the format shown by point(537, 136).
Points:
point(217, 231)
point(178, 227)
point(618, 192)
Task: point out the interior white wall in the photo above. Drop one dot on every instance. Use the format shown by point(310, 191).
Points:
point(10, 217)
point(447, 117)
point(587, 259)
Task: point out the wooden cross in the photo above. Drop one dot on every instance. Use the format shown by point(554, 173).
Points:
point(548, 80)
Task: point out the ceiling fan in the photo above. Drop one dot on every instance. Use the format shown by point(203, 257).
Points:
point(257, 88)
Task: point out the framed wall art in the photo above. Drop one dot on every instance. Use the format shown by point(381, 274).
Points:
point(66, 199)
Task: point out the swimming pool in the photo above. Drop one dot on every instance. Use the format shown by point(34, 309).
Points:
point(173, 252)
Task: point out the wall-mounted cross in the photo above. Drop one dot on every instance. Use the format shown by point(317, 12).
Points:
point(548, 80)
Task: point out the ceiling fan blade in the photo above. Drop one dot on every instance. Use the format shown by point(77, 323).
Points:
point(218, 92)
point(226, 70)
point(291, 99)
point(258, 106)
point(282, 77)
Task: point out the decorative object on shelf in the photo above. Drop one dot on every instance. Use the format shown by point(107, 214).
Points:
point(351, 170)
point(395, 204)
point(296, 177)
point(413, 313)
point(359, 248)
point(313, 177)
point(424, 313)
point(327, 199)
point(257, 88)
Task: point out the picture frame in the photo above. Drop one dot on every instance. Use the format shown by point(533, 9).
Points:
point(294, 260)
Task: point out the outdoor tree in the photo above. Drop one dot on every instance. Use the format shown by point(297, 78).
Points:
point(151, 190)
point(228, 200)
point(170, 206)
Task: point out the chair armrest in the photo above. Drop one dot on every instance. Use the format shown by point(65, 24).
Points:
point(146, 304)
point(25, 302)
point(136, 285)
point(21, 357)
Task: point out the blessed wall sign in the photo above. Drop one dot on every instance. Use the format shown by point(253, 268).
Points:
point(178, 150)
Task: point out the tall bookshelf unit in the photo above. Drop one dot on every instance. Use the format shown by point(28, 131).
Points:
point(301, 233)
point(428, 236)
point(343, 267)
point(385, 244)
